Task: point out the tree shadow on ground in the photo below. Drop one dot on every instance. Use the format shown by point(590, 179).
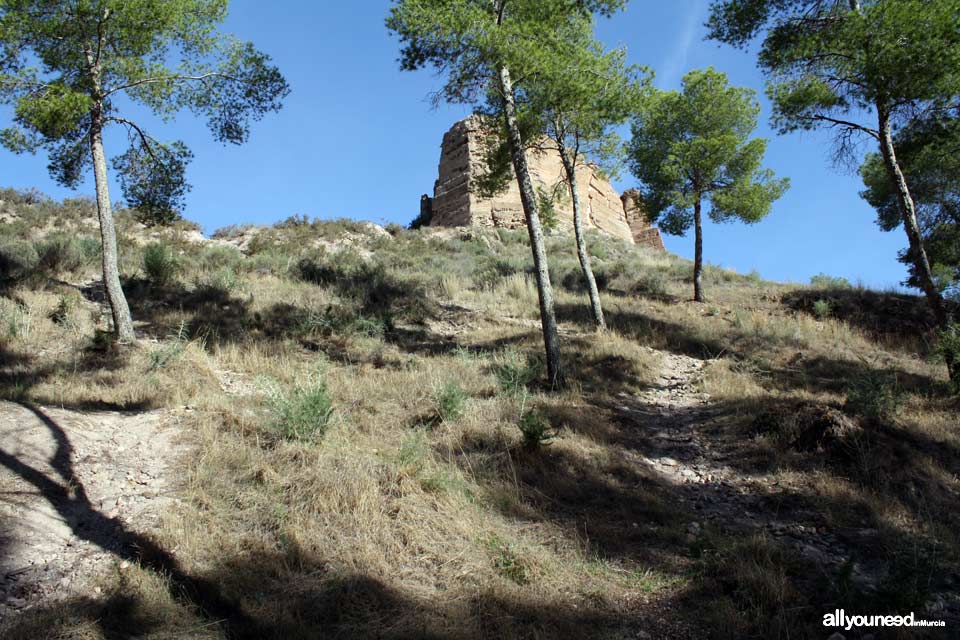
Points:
point(67, 495)
point(19, 374)
point(882, 315)
point(745, 558)
point(816, 373)
point(289, 593)
point(354, 605)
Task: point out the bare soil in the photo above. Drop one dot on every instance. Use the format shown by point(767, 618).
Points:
point(77, 489)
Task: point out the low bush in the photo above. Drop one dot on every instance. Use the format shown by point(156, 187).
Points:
point(160, 264)
point(507, 562)
point(652, 285)
point(303, 412)
point(219, 257)
point(15, 319)
point(949, 348)
point(824, 281)
point(574, 280)
point(59, 254)
point(169, 352)
point(62, 312)
point(535, 429)
point(875, 396)
point(822, 309)
point(490, 272)
point(515, 372)
point(451, 402)
point(17, 260)
point(337, 320)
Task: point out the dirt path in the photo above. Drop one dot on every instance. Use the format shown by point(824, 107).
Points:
point(684, 446)
point(76, 489)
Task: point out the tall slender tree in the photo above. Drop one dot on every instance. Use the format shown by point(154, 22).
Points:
point(571, 110)
point(928, 151)
point(579, 106)
point(694, 146)
point(65, 66)
point(487, 49)
point(859, 68)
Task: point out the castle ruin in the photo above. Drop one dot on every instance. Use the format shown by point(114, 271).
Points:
point(457, 203)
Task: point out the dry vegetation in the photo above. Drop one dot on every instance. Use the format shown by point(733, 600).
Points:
point(360, 470)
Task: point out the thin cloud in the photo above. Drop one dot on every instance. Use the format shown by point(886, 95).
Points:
point(675, 66)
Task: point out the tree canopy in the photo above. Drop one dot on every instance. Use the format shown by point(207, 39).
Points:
point(858, 68)
point(487, 50)
point(694, 145)
point(929, 153)
point(64, 63)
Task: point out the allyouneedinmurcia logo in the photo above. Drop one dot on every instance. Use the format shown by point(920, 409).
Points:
point(839, 618)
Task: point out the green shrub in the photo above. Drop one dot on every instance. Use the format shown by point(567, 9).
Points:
point(490, 272)
point(217, 257)
point(652, 285)
point(451, 402)
point(17, 260)
point(513, 236)
point(949, 347)
point(274, 262)
point(61, 313)
point(90, 248)
point(375, 291)
point(716, 274)
point(337, 320)
point(59, 254)
point(875, 395)
point(225, 279)
point(506, 562)
point(302, 413)
point(167, 353)
point(574, 280)
point(536, 429)
point(598, 250)
point(823, 281)
point(160, 264)
point(15, 318)
point(394, 229)
point(515, 372)
point(822, 309)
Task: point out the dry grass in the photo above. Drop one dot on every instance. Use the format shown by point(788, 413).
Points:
point(400, 525)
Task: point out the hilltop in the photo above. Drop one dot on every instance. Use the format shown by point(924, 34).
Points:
point(332, 429)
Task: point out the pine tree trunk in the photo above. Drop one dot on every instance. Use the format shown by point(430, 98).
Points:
point(548, 319)
point(698, 251)
point(122, 322)
point(571, 170)
point(908, 212)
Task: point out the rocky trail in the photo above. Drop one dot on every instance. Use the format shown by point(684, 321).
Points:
point(78, 490)
point(681, 440)
point(685, 447)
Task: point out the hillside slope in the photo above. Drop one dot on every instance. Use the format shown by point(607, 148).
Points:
point(356, 416)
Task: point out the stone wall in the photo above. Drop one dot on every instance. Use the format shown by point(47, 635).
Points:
point(455, 202)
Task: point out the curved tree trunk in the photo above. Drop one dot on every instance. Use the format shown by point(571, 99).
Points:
point(571, 170)
point(698, 251)
point(548, 319)
point(908, 213)
point(122, 322)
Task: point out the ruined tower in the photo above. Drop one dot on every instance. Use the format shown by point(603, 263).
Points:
point(456, 202)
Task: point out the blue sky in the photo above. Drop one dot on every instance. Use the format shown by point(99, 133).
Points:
point(359, 139)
